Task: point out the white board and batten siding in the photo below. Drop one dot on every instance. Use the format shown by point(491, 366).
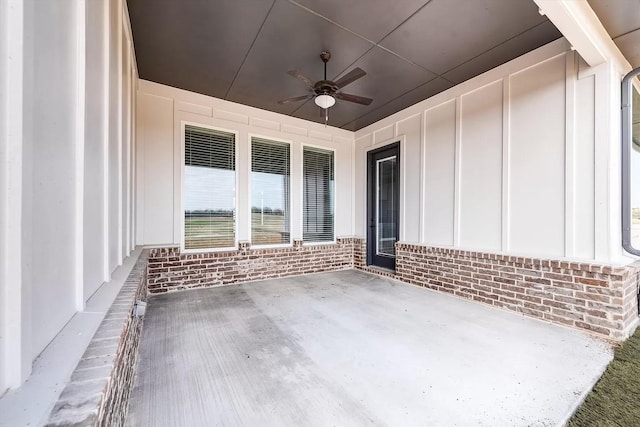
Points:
point(71, 68)
point(162, 113)
point(501, 163)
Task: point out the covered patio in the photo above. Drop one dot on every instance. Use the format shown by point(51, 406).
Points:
point(334, 213)
point(353, 348)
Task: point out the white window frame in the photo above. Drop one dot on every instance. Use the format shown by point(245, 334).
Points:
point(301, 194)
point(183, 125)
point(284, 141)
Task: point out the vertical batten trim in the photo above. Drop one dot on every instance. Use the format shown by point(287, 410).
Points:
point(132, 155)
point(119, 165)
point(506, 161)
point(423, 178)
point(79, 154)
point(601, 155)
point(457, 165)
point(177, 216)
point(421, 184)
point(353, 188)
point(127, 99)
point(140, 175)
point(570, 152)
point(614, 200)
point(106, 273)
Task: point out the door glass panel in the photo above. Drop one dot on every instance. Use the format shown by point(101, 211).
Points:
point(635, 170)
point(386, 206)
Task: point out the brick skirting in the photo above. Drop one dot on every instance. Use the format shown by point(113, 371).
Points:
point(98, 392)
point(598, 298)
point(170, 270)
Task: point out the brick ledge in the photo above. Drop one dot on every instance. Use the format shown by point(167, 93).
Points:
point(98, 391)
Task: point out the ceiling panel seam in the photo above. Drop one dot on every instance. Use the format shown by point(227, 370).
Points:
point(494, 47)
point(384, 37)
point(370, 41)
point(624, 34)
point(374, 45)
point(319, 15)
point(226, 95)
point(313, 12)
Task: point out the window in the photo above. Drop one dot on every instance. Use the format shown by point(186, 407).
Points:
point(318, 183)
point(631, 163)
point(270, 180)
point(209, 188)
point(634, 180)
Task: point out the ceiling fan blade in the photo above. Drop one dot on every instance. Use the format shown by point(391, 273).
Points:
point(350, 77)
point(354, 98)
point(297, 98)
point(298, 75)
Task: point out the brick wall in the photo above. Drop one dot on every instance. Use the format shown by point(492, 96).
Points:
point(98, 391)
point(597, 298)
point(170, 270)
point(630, 291)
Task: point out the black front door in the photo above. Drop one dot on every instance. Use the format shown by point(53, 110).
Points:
point(383, 205)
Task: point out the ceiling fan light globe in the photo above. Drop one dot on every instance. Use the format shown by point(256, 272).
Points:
point(325, 101)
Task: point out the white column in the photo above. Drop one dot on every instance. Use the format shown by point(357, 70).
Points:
point(15, 362)
point(105, 142)
point(79, 154)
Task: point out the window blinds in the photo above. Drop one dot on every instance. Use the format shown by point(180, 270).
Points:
point(318, 191)
point(270, 197)
point(209, 188)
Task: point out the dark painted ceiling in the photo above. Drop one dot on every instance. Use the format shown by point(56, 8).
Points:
point(241, 50)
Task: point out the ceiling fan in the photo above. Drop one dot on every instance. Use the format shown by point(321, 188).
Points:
point(326, 91)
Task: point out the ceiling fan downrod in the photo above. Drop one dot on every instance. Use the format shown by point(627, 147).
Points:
point(325, 56)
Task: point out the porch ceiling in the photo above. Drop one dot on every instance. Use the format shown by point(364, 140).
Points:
point(621, 19)
point(241, 50)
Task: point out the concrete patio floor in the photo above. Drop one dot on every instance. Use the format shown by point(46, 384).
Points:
point(351, 348)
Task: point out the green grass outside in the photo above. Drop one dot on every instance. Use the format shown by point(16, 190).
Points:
point(615, 399)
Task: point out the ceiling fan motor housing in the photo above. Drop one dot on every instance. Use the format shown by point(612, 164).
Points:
point(326, 87)
point(325, 56)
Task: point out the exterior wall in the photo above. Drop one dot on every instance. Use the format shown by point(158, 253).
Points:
point(162, 110)
point(518, 160)
point(59, 172)
point(510, 192)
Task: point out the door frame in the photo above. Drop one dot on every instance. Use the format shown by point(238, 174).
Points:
point(370, 191)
